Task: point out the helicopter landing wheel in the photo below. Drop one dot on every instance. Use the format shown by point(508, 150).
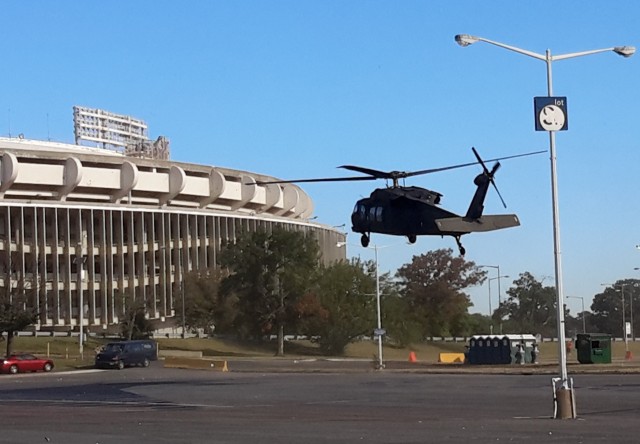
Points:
point(364, 240)
point(460, 247)
point(412, 238)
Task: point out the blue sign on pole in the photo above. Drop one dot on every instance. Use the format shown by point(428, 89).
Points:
point(551, 113)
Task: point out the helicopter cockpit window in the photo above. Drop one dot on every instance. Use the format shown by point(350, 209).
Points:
point(379, 214)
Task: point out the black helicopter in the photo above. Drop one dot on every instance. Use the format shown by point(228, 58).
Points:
point(413, 211)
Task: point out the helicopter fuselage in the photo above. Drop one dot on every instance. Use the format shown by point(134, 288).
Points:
point(404, 211)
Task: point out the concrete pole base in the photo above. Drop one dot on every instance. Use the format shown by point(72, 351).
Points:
point(565, 407)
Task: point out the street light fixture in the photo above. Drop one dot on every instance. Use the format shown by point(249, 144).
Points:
point(625, 51)
point(584, 324)
point(466, 40)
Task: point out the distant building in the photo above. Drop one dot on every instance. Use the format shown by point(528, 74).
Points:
point(94, 228)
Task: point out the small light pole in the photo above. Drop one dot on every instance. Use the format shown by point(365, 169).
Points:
point(497, 267)
point(380, 363)
point(624, 319)
point(80, 260)
point(184, 329)
point(379, 330)
point(633, 335)
point(584, 324)
point(497, 278)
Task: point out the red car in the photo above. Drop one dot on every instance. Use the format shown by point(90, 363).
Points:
point(24, 362)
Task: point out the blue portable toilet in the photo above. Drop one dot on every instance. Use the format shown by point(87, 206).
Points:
point(499, 349)
point(475, 355)
point(479, 350)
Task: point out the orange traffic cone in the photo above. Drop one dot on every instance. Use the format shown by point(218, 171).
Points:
point(628, 356)
point(412, 357)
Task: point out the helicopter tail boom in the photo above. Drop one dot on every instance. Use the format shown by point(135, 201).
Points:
point(464, 225)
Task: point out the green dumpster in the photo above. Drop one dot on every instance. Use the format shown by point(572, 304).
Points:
point(593, 348)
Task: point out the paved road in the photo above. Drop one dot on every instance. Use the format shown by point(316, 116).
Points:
point(159, 405)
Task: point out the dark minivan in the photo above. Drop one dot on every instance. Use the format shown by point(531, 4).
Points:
point(127, 353)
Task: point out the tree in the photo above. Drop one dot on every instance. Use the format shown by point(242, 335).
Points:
point(607, 307)
point(205, 308)
point(268, 273)
point(401, 325)
point(530, 307)
point(433, 284)
point(16, 310)
point(135, 324)
point(478, 324)
point(341, 307)
point(574, 324)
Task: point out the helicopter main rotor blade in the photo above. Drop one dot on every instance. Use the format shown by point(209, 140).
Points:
point(462, 165)
point(371, 172)
point(324, 179)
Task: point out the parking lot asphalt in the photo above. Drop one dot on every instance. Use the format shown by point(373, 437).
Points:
point(317, 405)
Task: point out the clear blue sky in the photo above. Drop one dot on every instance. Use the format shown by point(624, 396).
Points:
point(295, 88)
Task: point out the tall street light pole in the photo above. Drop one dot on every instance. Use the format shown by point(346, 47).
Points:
point(625, 51)
point(584, 323)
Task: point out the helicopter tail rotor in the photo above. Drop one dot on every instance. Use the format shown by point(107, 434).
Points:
point(489, 174)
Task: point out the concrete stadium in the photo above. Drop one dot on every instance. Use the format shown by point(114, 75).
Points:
point(95, 229)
